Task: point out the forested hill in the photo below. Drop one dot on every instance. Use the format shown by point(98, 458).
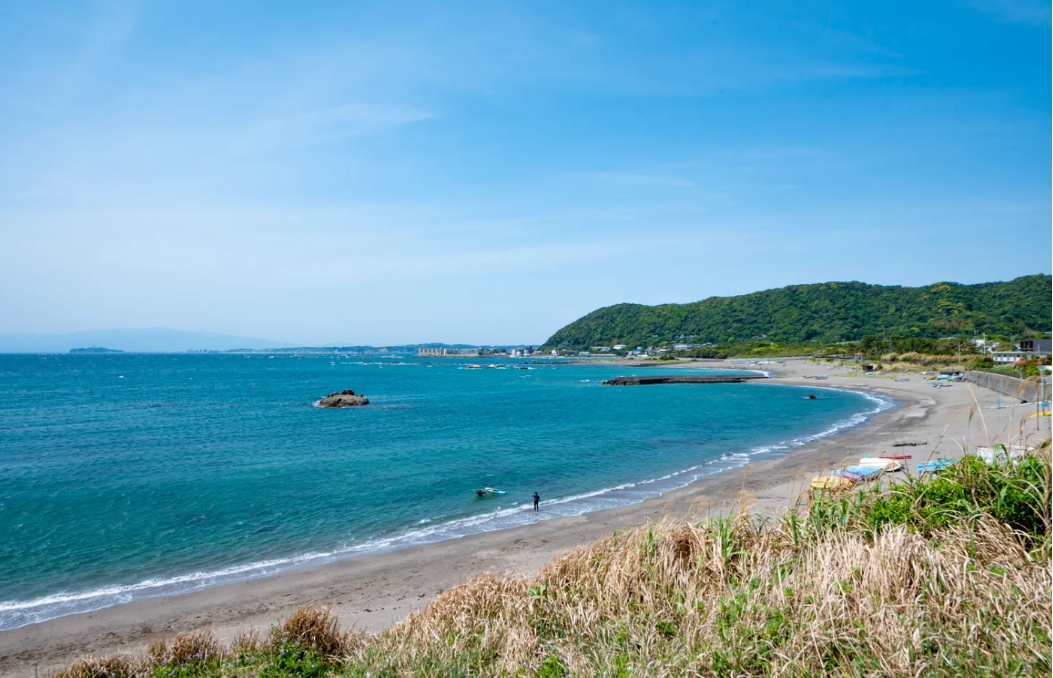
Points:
point(827, 312)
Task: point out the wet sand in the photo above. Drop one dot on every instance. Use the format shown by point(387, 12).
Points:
point(374, 591)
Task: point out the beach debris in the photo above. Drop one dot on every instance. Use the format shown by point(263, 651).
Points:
point(345, 398)
point(910, 444)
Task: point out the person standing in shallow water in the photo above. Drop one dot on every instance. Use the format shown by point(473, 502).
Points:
point(537, 500)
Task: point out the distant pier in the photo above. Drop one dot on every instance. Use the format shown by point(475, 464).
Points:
point(683, 379)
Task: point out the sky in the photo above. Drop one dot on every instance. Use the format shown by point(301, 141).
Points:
point(395, 172)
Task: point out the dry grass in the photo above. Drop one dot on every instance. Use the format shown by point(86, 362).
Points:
point(729, 599)
point(923, 359)
point(314, 628)
point(828, 590)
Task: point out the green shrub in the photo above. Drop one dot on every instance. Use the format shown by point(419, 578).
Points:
point(292, 659)
point(1015, 494)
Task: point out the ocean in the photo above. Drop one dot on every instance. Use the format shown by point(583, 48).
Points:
point(131, 476)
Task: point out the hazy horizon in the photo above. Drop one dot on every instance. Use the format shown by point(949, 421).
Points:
point(169, 340)
point(385, 174)
point(202, 340)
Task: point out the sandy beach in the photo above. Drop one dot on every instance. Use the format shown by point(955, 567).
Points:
point(374, 591)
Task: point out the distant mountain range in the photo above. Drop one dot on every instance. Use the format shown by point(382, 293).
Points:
point(828, 312)
point(154, 340)
point(162, 340)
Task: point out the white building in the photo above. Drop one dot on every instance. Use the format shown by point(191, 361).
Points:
point(445, 352)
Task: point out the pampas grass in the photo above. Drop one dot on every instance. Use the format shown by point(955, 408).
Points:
point(831, 588)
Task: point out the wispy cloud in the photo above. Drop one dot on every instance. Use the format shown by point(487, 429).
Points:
point(1036, 12)
point(331, 125)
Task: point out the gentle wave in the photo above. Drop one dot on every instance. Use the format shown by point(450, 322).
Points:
point(14, 614)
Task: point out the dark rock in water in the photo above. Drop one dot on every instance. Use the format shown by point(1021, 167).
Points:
point(345, 398)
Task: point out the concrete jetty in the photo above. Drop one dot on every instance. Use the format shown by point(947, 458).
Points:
point(683, 379)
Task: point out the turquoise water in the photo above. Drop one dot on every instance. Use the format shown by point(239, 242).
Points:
point(129, 476)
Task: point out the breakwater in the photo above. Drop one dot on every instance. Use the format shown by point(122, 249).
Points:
point(683, 379)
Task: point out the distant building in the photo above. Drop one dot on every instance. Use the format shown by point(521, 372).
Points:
point(1029, 350)
point(460, 351)
point(619, 347)
point(1041, 347)
point(446, 352)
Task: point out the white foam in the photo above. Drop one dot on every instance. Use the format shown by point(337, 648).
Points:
point(14, 614)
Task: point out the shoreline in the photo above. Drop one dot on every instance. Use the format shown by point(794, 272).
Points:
point(40, 610)
point(372, 591)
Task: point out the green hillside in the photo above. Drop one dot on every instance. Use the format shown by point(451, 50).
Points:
point(824, 312)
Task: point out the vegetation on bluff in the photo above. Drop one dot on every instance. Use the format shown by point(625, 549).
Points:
point(826, 313)
point(943, 578)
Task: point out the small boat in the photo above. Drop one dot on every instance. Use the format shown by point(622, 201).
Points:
point(819, 377)
point(488, 492)
point(858, 473)
point(868, 472)
point(831, 483)
point(935, 466)
point(888, 465)
point(1000, 454)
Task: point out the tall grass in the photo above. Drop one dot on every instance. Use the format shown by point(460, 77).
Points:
point(948, 577)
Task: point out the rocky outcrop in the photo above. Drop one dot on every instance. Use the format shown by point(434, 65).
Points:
point(345, 398)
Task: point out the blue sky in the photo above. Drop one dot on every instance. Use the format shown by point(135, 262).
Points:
point(486, 172)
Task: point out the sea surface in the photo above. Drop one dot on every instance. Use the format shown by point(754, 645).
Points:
point(130, 476)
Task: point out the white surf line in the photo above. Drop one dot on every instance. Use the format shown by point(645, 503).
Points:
point(14, 614)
